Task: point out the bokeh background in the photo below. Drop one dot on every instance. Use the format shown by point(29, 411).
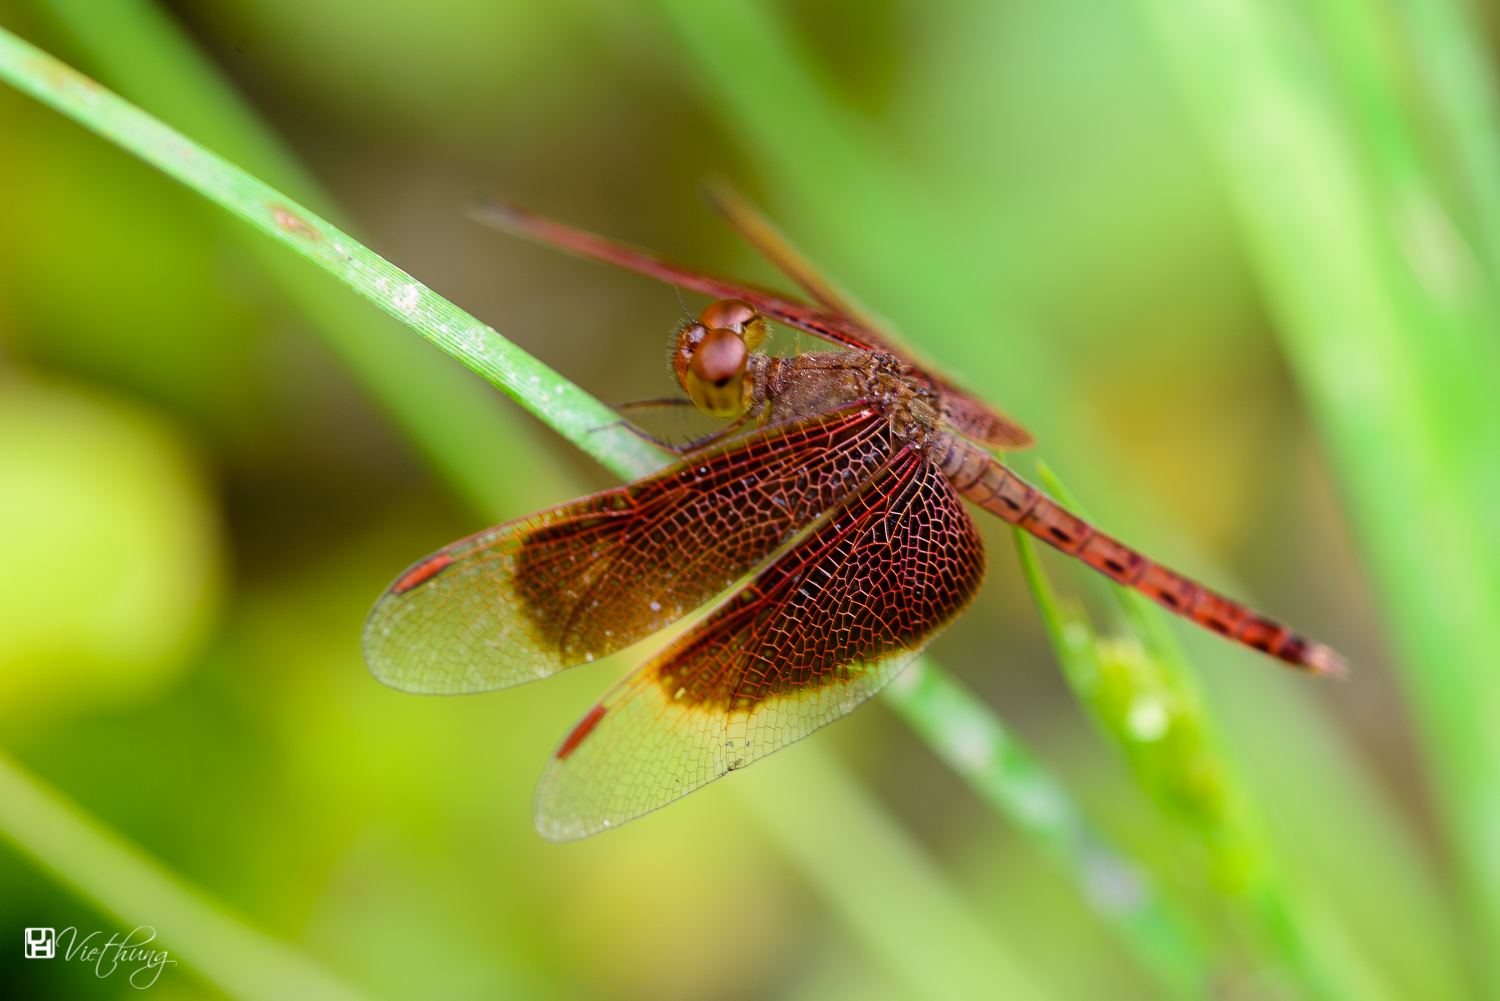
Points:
point(201, 495)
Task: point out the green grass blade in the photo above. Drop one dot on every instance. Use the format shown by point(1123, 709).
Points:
point(932, 945)
point(449, 414)
point(1011, 779)
point(889, 874)
point(1143, 691)
point(1150, 709)
point(584, 421)
point(242, 962)
point(1405, 405)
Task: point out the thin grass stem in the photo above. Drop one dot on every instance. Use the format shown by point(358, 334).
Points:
point(588, 424)
point(1143, 692)
point(1156, 720)
point(118, 877)
point(834, 832)
point(448, 414)
point(1000, 768)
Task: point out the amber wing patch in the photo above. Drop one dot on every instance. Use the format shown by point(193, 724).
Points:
point(529, 598)
point(817, 631)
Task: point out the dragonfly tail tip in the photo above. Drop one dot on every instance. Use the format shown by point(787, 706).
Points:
point(1324, 661)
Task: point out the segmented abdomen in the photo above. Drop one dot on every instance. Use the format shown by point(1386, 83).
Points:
point(982, 479)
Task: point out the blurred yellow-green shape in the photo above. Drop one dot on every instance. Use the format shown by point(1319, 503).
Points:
point(110, 549)
point(470, 59)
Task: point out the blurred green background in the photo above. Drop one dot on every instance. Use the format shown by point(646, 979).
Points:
point(199, 499)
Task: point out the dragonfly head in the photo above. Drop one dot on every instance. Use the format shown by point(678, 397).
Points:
point(711, 353)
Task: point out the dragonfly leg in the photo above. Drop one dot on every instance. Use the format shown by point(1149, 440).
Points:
point(687, 448)
point(665, 446)
point(661, 402)
point(724, 432)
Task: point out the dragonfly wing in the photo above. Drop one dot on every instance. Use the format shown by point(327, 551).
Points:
point(778, 307)
point(965, 414)
point(532, 597)
point(762, 234)
point(815, 633)
point(979, 421)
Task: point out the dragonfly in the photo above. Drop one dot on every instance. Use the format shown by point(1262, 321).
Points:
point(823, 527)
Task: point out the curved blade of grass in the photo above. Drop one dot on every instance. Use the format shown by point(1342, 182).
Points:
point(584, 421)
point(834, 832)
point(451, 416)
point(1405, 409)
point(860, 213)
point(1143, 692)
point(99, 863)
point(997, 766)
point(890, 867)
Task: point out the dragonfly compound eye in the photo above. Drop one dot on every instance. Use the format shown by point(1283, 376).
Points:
point(737, 315)
point(715, 377)
point(720, 357)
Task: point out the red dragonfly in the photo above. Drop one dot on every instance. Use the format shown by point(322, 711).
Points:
point(826, 514)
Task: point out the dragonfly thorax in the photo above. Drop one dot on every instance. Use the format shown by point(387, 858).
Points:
point(789, 388)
